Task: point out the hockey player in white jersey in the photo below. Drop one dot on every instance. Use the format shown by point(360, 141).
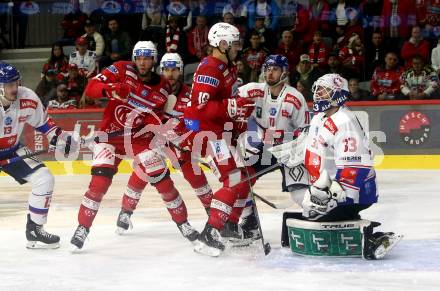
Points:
point(340, 165)
point(20, 105)
point(280, 110)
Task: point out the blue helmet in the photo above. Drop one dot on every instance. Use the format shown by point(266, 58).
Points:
point(278, 61)
point(8, 73)
point(330, 90)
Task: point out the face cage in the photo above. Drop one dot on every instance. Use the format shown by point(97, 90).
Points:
point(322, 98)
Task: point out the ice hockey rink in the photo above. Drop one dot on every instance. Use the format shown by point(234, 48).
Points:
point(154, 255)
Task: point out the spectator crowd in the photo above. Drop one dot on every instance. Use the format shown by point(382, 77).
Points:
point(390, 47)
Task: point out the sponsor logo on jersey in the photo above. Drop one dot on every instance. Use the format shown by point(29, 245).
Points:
point(27, 103)
point(221, 67)
point(352, 159)
point(203, 79)
point(331, 126)
point(414, 128)
point(113, 69)
point(348, 175)
point(285, 113)
point(8, 120)
point(131, 74)
point(293, 100)
point(253, 93)
point(192, 124)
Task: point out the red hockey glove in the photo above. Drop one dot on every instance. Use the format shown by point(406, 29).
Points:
point(240, 108)
point(118, 91)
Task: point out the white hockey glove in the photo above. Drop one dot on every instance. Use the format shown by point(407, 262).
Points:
point(322, 197)
point(291, 154)
point(60, 140)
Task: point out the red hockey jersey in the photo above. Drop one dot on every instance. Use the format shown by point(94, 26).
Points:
point(214, 81)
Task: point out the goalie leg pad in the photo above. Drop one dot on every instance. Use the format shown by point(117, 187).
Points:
point(330, 239)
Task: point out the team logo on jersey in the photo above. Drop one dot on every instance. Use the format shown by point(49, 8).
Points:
point(123, 112)
point(272, 111)
point(414, 128)
point(8, 121)
point(144, 93)
point(211, 81)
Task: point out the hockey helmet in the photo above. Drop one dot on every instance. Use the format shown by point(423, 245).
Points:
point(223, 31)
point(8, 74)
point(330, 90)
point(144, 49)
point(171, 60)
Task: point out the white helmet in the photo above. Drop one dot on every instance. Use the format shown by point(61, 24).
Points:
point(144, 49)
point(171, 60)
point(223, 31)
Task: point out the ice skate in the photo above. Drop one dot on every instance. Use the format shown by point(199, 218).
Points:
point(188, 231)
point(79, 237)
point(233, 233)
point(209, 242)
point(376, 245)
point(38, 238)
point(124, 222)
point(250, 228)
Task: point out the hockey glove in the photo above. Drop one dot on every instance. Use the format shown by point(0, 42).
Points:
point(62, 140)
point(322, 197)
point(118, 91)
point(239, 109)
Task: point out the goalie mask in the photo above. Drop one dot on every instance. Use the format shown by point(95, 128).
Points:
point(330, 90)
point(9, 81)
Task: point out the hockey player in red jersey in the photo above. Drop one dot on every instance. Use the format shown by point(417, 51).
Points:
point(211, 118)
point(171, 68)
point(131, 105)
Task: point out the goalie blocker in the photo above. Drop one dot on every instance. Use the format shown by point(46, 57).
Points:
point(348, 238)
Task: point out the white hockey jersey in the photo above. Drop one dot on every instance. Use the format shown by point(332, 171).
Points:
point(27, 108)
point(86, 63)
point(278, 116)
point(339, 145)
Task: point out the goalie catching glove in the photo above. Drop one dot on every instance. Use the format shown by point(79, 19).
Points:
point(322, 197)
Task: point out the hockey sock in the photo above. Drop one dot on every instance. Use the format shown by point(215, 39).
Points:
point(133, 192)
point(221, 207)
point(173, 201)
point(92, 199)
point(198, 183)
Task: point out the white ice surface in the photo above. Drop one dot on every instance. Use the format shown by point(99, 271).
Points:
point(154, 256)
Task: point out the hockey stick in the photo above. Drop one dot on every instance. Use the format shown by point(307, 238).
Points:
point(266, 246)
point(282, 205)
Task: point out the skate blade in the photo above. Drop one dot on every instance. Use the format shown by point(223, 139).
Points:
point(75, 250)
point(383, 250)
point(41, 245)
point(203, 249)
point(241, 243)
point(121, 231)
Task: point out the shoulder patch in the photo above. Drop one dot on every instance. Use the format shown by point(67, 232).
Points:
point(113, 69)
point(28, 103)
point(73, 55)
point(293, 100)
point(331, 126)
point(208, 80)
